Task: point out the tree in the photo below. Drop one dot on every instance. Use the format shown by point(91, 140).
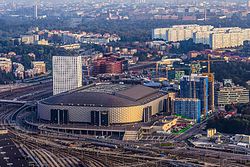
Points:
point(141, 55)
point(228, 107)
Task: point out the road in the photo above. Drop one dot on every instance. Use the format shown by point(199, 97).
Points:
point(142, 65)
point(194, 129)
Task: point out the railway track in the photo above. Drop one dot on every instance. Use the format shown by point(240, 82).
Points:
point(48, 150)
point(11, 94)
point(45, 157)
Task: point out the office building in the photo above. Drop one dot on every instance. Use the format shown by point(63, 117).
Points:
point(188, 108)
point(195, 86)
point(67, 73)
point(231, 95)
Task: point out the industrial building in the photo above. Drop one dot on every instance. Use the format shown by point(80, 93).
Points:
point(103, 104)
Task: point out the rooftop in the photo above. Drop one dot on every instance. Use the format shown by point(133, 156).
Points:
point(106, 95)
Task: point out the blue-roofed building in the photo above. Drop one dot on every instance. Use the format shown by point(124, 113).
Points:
point(188, 108)
point(195, 86)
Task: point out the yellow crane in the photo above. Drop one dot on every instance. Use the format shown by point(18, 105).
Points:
point(210, 78)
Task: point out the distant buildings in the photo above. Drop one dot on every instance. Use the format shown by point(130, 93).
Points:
point(188, 107)
point(5, 64)
point(67, 73)
point(29, 39)
point(195, 86)
point(231, 94)
point(90, 38)
point(110, 65)
point(66, 39)
point(39, 67)
point(216, 38)
point(71, 46)
point(36, 11)
point(18, 70)
point(42, 42)
point(179, 32)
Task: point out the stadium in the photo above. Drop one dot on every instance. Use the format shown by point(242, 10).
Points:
point(103, 105)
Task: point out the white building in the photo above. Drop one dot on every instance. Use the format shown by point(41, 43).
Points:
point(216, 38)
point(29, 39)
point(229, 95)
point(202, 37)
point(5, 64)
point(67, 73)
point(179, 32)
point(160, 33)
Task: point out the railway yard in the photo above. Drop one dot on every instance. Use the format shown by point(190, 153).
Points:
point(56, 149)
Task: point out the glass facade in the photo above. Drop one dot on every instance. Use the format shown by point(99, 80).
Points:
point(195, 86)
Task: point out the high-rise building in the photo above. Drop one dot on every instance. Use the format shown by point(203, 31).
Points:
point(35, 11)
point(195, 86)
point(188, 107)
point(211, 105)
point(67, 73)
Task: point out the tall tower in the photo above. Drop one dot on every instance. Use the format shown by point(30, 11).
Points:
point(35, 11)
point(37, 3)
point(67, 73)
point(195, 86)
point(205, 10)
point(248, 4)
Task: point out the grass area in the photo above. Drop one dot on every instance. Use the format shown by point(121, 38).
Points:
point(177, 115)
point(166, 144)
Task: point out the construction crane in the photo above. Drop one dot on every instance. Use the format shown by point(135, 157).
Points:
point(210, 76)
point(209, 61)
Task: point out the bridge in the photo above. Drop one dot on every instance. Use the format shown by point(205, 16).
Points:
point(13, 101)
point(143, 65)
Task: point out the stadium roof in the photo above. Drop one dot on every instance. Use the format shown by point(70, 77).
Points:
point(137, 92)
point(107, 95)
